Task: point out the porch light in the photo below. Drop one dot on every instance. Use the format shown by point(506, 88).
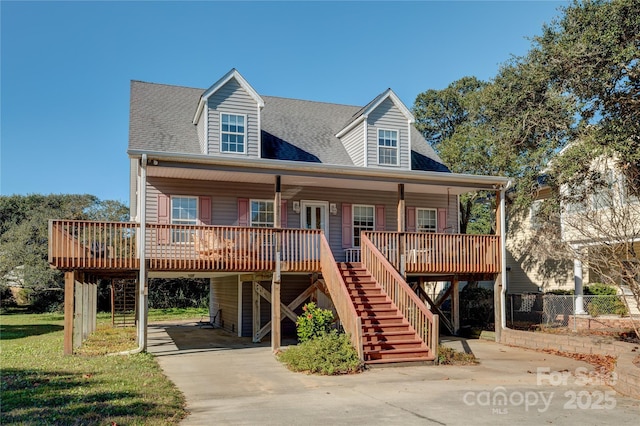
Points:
point(296, 206)
point(333, 209)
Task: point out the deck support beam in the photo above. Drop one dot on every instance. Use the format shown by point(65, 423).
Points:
point(255, 296)
point(500, 285)
point(276, 326)
point(69, 298)
point(455, 304)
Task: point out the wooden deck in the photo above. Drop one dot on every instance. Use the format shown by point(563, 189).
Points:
point(114, 246)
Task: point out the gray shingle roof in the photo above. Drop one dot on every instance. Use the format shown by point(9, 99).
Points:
point(161, 120)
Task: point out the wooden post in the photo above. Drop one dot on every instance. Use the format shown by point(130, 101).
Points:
point(78, 310)
point(276, 325)
point(401, 209)
point(69, 297)
point(455, 304)
point(256, 311)
point(85, 308)
point(275, 307)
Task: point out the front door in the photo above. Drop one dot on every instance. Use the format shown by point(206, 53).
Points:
point(313, 215)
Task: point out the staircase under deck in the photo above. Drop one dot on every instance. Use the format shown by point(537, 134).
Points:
point(387, 336)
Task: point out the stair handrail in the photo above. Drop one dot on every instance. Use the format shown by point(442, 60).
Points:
point(424, 322)
point(349, 318)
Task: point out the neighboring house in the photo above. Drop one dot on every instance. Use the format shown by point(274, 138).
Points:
point(531, 268)
point(278, 201)
point(599, 225)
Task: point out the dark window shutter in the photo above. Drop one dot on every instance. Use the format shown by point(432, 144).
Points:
point(442, 220)
point(164, 217)
point(380, 219)
point(347, 226)
point(411, 219)
point(243, 212)
point(205, 210)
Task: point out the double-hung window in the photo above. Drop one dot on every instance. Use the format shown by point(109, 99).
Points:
point(232, 133)
point(388, 147)
point(426, 220)
point(363, 220)
point(184, 211)
point(262, 213)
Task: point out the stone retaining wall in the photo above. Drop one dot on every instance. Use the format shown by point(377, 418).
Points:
point(584, 322)
point(628, 380)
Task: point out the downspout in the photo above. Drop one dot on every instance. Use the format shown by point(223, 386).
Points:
point(503, 255)
point(142, 278)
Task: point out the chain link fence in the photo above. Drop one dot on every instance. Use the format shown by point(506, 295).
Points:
point(528, 311)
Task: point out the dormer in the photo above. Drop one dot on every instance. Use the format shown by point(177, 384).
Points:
point(228, 118)
point(379, 134)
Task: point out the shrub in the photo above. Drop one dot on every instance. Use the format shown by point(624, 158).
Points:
point(560, 292)
point(314, 322)
point(607, 304)
point(328, 354)
point(600, 289)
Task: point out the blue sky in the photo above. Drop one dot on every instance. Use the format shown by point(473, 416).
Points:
point(66, 66)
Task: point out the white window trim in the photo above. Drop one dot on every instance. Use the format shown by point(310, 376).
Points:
point(534, 209)
point(353, 218)
point(315, 203)
point(251, 201)
point(435, 212)
point(220, 133)
point(378, 146)
point(171, 198)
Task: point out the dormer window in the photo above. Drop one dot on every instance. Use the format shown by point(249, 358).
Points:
point(388, 147)
point(232, 133)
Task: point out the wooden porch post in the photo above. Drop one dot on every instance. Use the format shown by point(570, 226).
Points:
point(401, 209)
point(69, 297)
point(276, 325)
point(86, 301)
point(78, 310)
point(256, 310)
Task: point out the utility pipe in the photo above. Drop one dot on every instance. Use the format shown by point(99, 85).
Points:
point(142, 277)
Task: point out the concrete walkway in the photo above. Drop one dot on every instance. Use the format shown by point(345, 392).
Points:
point(228, 380)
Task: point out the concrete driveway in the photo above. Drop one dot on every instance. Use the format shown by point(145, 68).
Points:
point(228, 380)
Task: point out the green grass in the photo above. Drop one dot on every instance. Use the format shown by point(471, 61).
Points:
point(39, 385)
point(177, 314)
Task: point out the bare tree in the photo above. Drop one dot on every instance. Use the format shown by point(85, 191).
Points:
point(600, 223)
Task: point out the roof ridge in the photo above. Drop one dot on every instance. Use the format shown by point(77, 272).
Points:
point(308, 100)
point(167, 85)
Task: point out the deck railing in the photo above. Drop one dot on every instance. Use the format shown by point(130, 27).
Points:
point(439, 253)
point(424, 322)
point(351, 322)
point(77, 244)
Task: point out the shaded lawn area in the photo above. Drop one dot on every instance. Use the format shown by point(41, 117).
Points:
point(39, 385)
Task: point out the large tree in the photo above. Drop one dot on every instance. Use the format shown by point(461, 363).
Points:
point(24, 236)
point(510, 126)
point(593, 53)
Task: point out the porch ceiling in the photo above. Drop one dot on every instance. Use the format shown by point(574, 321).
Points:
point(310, 178)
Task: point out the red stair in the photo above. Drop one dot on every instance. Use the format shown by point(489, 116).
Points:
point(386, 335)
